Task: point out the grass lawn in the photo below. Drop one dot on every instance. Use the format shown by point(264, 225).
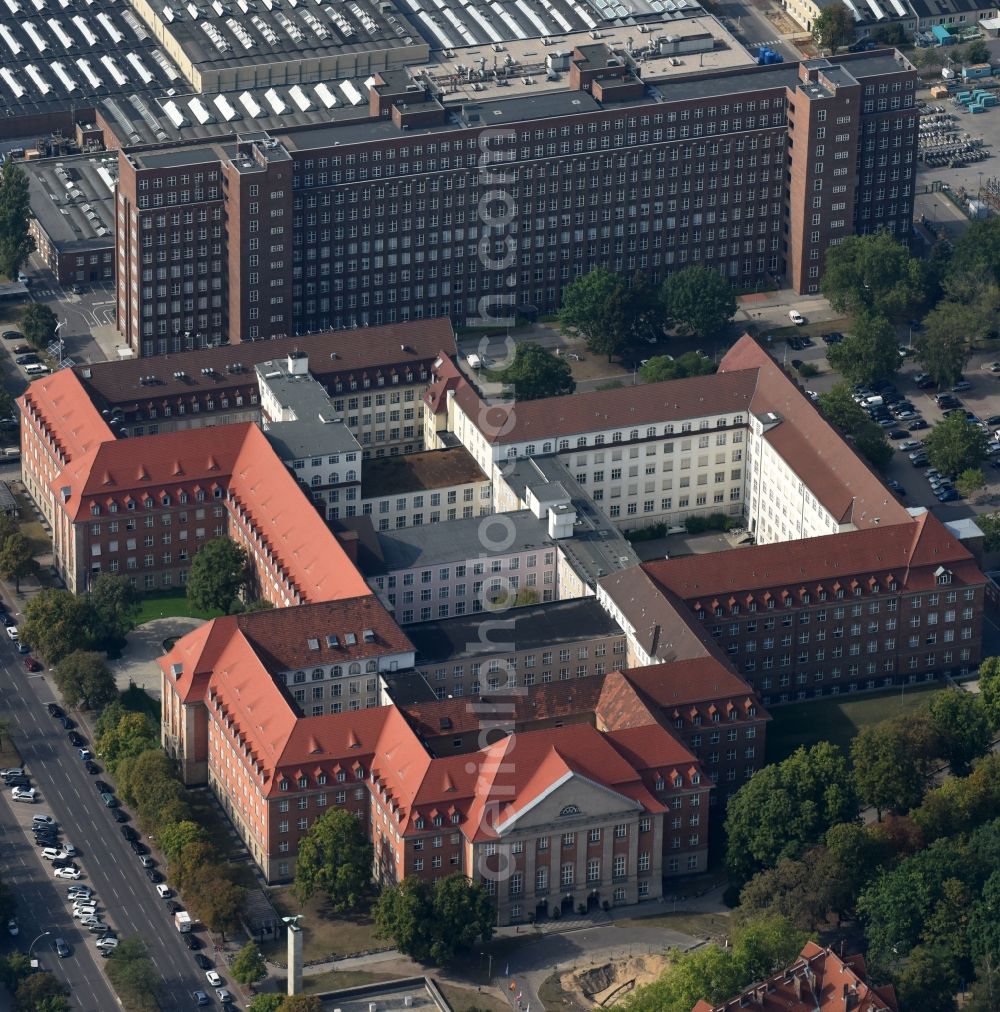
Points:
point(336, 980)
point(461, 999)
point(327, 936)
point(169, 606)
point(688, 923)
point(838, 719)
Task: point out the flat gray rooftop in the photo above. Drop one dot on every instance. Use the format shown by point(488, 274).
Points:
point(459, 541)
point(73, 199)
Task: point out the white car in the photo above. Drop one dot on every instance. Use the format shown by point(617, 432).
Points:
point(82, 913)
point(12, 632)
point(224, 995)
point(73, 873)
point(796, 317)
point(79, 892)
point(53, 854)
point(23, 793)
point(107, 942)
point(213, 978)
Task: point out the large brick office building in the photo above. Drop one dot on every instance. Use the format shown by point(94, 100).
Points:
point(632, 160)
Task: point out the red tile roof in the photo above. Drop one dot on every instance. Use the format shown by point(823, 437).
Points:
point(818, 981)
point(647, 404)
point(298, 637)
point(702, 681)
point(829, 467)
point(69, 415)
point(908, 551)
point(342, 351)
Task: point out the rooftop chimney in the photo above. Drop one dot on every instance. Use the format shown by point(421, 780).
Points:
point(298, 363)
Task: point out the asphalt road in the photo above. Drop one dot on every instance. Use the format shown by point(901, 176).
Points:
point(126, 898)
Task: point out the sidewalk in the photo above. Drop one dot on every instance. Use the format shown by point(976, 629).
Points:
point(137, 664)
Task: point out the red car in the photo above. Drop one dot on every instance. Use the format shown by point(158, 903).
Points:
point(31, 664)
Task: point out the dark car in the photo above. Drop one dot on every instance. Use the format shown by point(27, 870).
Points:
point(192, 941)
point(75, 739)
point(129, 833)
point(63, 862)
point(154, 876)
point(993, 420)
point(795, 344)
point(203, 961)
point(21, 781)
point(118, 815)
point(55, 710)
point(137, 847)
point(796, 363)
point(7, 621)
point(806, 342)
point(23, 349)
point(920, 461)
point(102, 787)
point(12, 335)
point(62, 949)
point(67, 722)
point(31, 664)
point(917, 424)
point(109, 799)
point(27, 359)
point(926, 383)
point(899, 434)
point(949, 495)
point(91, 767)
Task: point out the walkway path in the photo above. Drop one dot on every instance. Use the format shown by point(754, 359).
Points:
point(137, 664)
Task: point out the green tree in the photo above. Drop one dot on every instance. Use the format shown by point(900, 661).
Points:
point(955, 444)
point(840, 408)
point(943, 347)
point(248, 966)
point(977, 250)
point(8, 525)
point(536, 373)
point(83, 677)
point(868, 354)
point(961, 723)
point(266, 1003)
point(144, 776)
point(977, 52)
point(699, 301)
point(873, 273)
point(115, 603)
point(891, 761)
point(804, 891)
point(187, 866)
point(56, 623)
point(16, 245)
point(787, 807)
point(14, 968)
point(433, 923)
point(16, 559)
point(175, 837)
point(871, 443)
point(39, 324)
point(664, 367)
point(706, 974)
point(218, 901)
point(970, 481)
point(336, 857)
point(596, 305)
point(218, 575)
point(989, 689)
point(984, 923)
point(834, 28)
point(41, 992)
point(929, 981)
point(301, 1003)
point(134, 976)
point(133, 734)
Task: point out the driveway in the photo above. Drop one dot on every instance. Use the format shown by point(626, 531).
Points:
point(137, 664)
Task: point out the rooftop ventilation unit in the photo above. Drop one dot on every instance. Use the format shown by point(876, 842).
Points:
point(59, 32)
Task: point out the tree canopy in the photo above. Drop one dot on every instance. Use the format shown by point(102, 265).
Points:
point(16, 244)
point(248, 967)
point(870, 352)
point(433, 923)
point(56, 623)
point(115, 604)
point(665, 367)
point(875, 273)
point(134, 976)
point(597, 306)
point(133, 734)
point(699, 301)
point(536, 373)
point(83, 677)
point(335, 857)
point(39, 324)
point(976, 250)
point(962, 726)
point(955, 444)
point(989, 689)
point(787, 807)
point(833, 28)
point(17, 560)
point(218, 575)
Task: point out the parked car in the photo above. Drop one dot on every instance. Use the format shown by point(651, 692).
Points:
point(102, 786)
point(23, 793)
point(118, 815)
point(12, 927)
point(31, 664)
point(73, 873)
point(962, 385)
point(203, 961)
point(68, 723)
point(54, 710)
point(949, 495)
point(31, 359)
point(192, 941)
point(899, 434)
point(129, 833)
point(917, 424)
point(920, 461)
point(213, 978)
point(91, 767)
point(12, 335)
point(75, 739)
point(796, 317)
point(109, 799)
point(910, 444)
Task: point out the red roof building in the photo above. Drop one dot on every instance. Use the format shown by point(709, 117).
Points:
point(818, 981)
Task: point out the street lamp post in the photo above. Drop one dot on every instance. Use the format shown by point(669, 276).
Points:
point(44, 934)
point(59, 326)
point(489, 967)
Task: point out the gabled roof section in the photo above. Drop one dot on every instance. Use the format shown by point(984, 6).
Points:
point(309, 552)
point(67, 412)
point(688, 683)
point(328, 632)
point(191, 660)
point(839, 479)
point(647, 404)
point(905, 551)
